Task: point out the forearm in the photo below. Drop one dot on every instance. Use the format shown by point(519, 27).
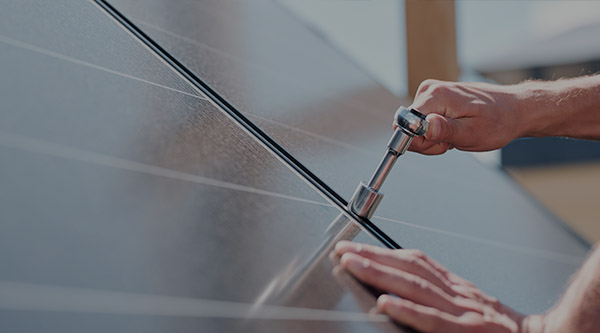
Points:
point(579, 309)
point(566, 107)
point(481, 116)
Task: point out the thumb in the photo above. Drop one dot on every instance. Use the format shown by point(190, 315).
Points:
point(441, 129)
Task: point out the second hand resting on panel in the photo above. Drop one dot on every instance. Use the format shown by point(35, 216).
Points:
point(481, 117)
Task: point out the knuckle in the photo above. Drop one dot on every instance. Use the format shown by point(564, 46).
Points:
point(418, 254)
point(359, 249)
point(371, 251)
point(416, 258)
point(436, 314)
point(494, 303)
point(412, 261)
point(425, 85)
point(372, 271)
point(416, 286)
point(366, 250)
point(472, 322)
point(440, 90)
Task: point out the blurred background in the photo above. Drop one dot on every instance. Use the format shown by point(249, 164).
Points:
point(400, 43)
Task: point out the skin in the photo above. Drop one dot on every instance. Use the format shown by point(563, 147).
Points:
point(423, 294)
point(483, 116)
point(426, 296)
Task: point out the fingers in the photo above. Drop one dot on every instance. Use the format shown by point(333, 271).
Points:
point(398, 282)
point(453, 278)
point(413, 262)
point(437, 99)
point(422, 145)
point(438, 139)
point(424, 302)
point(437, 149)
point(421, 318)
point(441, 128)
point(441, 136)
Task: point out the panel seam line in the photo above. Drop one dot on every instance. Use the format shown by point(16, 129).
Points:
point(239, 118)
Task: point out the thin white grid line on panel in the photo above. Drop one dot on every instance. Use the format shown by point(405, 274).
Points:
point(37, 297)
point(42, 147)
point(140, 167)
point(240, 123)
point(243, 61)
point(305, 132)
point(522, 249)
point(248, 114)
point(554, 256)
point(60, 56)
point(314, 135)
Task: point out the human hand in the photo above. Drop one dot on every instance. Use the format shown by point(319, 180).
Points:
point(467, 116)
point(430, 298)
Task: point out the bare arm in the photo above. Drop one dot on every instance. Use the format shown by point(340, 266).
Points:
point(579, 308)
point(432, 299)
point(483, 116)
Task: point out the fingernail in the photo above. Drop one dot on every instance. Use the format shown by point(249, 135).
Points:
point(340, 245)
point(434, 129)
point(375, 311)
point(382, 300)
point(336, 270)
point(354, 262)
point(333, 257)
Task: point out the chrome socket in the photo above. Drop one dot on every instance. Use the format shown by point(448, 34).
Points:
point(365, 200)
point(409, 123)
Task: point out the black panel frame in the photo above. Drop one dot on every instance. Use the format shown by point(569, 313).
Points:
point(254, 130)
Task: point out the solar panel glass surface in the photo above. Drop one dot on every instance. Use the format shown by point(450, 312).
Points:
point(336, 121)
point(130, 202)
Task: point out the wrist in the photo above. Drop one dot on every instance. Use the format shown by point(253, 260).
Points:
point(538, 108)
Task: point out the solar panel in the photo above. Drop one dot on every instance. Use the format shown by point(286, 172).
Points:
point(337, 121)
point(132, 201)
point(129, 201)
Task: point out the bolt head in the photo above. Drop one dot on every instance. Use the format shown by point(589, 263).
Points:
point(411, 121)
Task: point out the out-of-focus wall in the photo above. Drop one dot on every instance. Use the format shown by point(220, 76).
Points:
point(569, 191)
point(371, 33)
